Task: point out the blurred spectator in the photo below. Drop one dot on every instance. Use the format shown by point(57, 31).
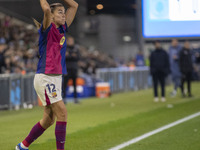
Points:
point(91, 68)
point(2, 38)
point(196, 52)
point(140, 59)
point(2, 57)
point(7, 21)
point(19, 41)
point(159, 68)
point(22, 51)
point(72, 58)
point(174, 51)
point(186, 68)
point(91, 60)
point(131, 65)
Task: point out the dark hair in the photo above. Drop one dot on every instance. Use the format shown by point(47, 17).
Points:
point(37, 24)
point(156, 41)
point(54, 6)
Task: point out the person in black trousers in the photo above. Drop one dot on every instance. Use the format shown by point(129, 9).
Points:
point(2, 57)
point(72, 58)
point(186, 67)
point(159, 69)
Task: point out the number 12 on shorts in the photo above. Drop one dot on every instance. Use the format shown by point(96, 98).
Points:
point(51, 88)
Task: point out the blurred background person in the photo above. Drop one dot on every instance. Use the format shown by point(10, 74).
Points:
point(196, 54)
point(139, 59)
point(186, 68)
point(72, 58)
point(174, 51)
point(159, 69)
point(2, 57)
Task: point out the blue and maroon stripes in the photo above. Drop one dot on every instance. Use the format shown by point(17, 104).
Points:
point(60, 133)
point(35, 132)
point(52, 48)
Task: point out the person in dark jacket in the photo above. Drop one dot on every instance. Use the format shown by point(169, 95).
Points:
point(2, 57)
point(186, 67)
point(72, 58)
point(159, 69)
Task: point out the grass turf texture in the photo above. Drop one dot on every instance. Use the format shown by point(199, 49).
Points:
point(99, 124)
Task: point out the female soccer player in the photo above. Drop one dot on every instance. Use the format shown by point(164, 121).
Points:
point(51, 66)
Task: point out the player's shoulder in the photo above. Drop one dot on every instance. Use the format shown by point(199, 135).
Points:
point(43, 31)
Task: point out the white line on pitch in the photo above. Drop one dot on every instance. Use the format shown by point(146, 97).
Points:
point(146, 135)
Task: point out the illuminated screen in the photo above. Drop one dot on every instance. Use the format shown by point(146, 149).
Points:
point(171, 18)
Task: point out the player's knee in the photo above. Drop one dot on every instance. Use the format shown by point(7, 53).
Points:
point(46, 123)
point(49, 123)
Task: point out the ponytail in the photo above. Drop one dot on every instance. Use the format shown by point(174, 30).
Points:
point(37, 24)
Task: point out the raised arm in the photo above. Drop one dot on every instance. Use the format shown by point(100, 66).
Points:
point(47, 14)
point(71, 11)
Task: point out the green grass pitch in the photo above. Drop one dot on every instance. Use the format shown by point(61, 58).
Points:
point(99, 124)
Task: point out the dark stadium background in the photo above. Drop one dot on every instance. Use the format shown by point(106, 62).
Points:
point(117, 19)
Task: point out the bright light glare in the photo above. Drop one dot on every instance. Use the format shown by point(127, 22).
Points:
point(126, 38)
point(99, 6)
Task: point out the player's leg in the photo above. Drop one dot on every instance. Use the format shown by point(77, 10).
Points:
point(38, 128)
point(48, 117)
point(60, 112)
point(53, 98)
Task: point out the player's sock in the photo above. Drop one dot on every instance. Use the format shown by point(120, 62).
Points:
point(35, 132)
point(23, 146)
point(60, 132)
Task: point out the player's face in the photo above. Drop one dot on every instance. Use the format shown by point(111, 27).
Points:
point(58, 16)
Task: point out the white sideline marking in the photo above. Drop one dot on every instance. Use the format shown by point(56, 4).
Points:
point(146, 135)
